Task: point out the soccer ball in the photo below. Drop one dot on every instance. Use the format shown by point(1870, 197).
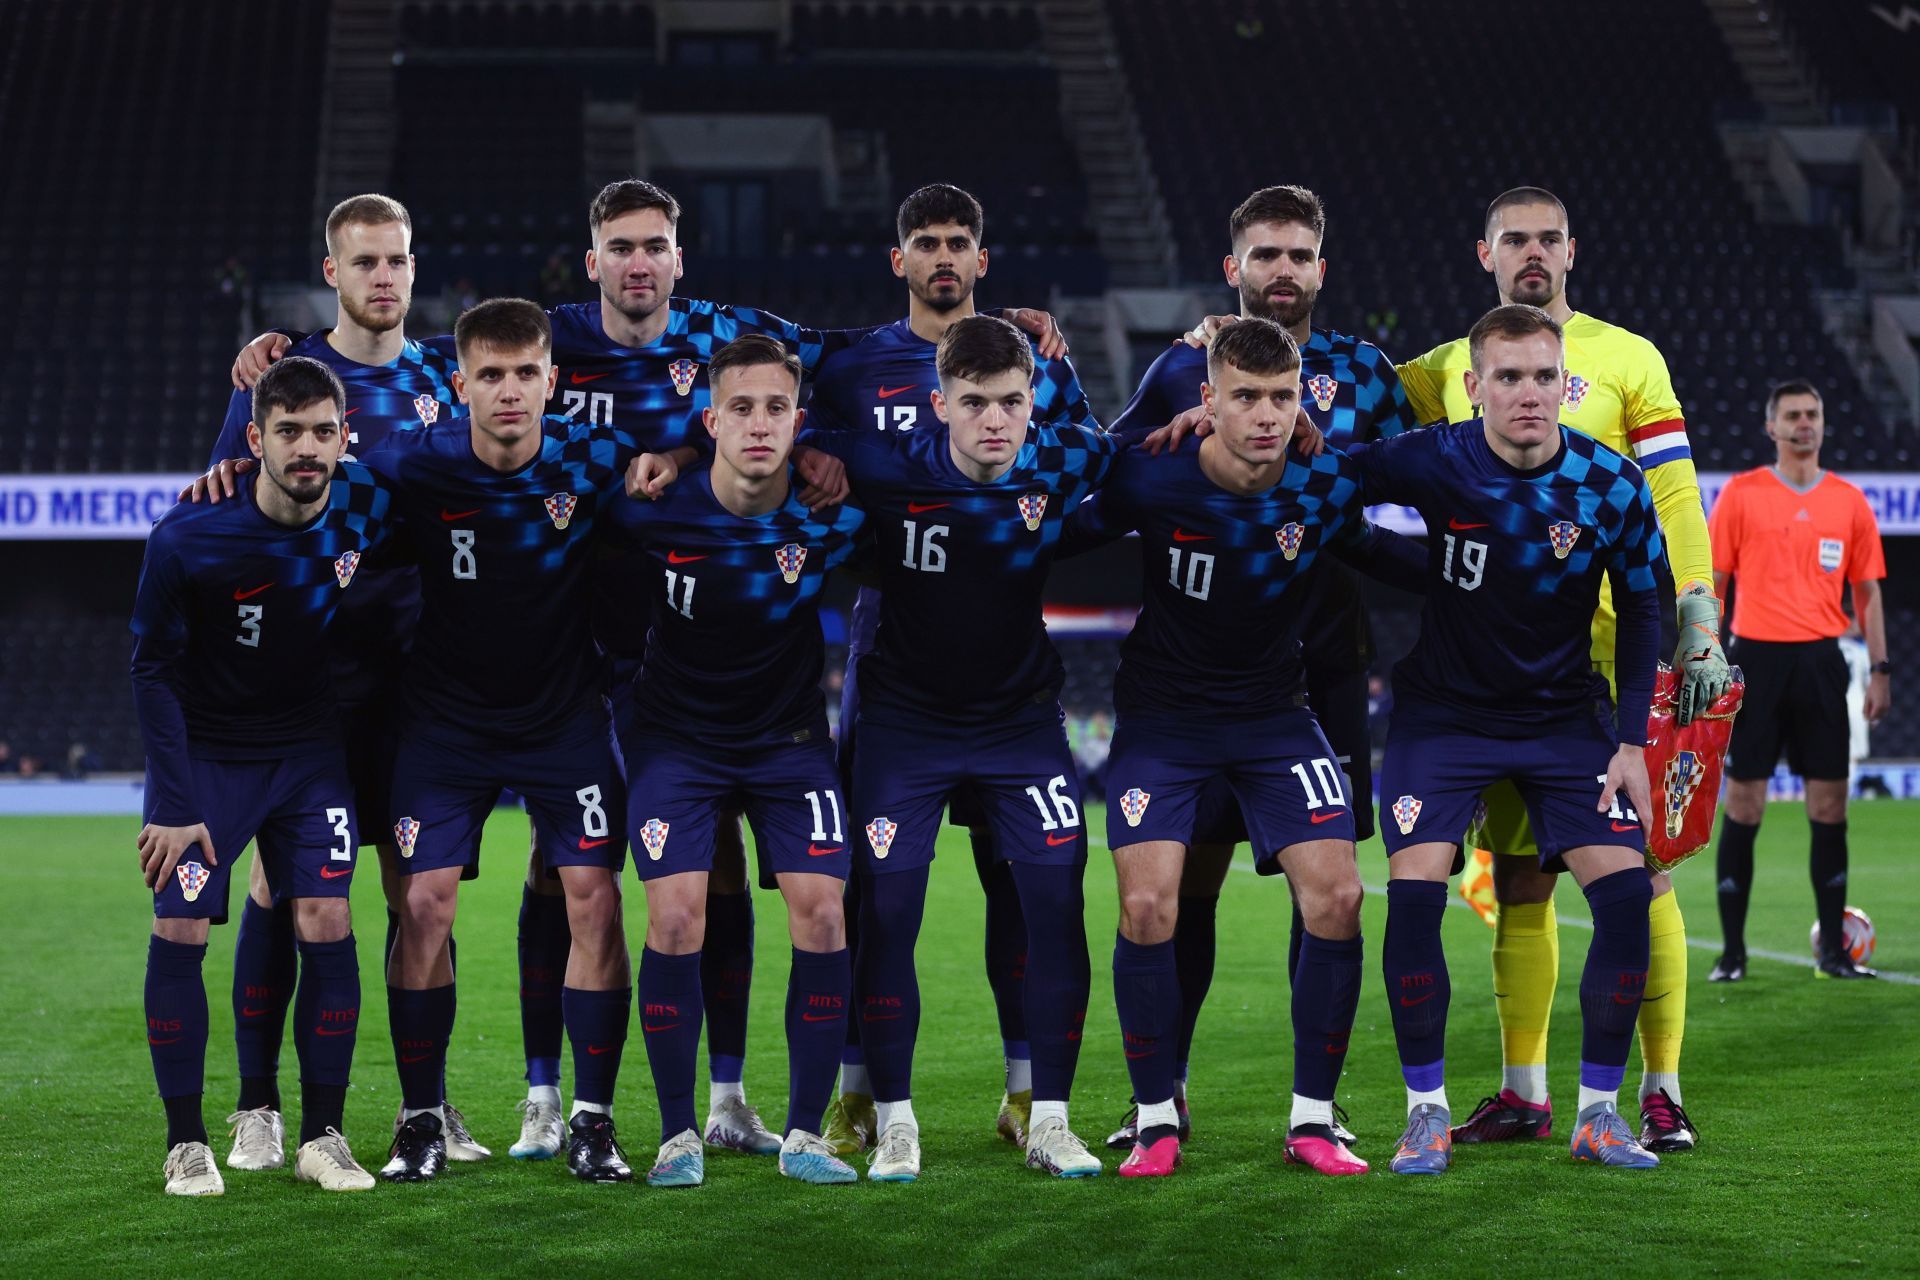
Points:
point(1858, 931)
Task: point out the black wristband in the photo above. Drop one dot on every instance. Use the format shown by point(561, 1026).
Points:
point(1881, 668)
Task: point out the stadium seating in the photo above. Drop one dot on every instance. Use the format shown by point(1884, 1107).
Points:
point(1859, 56)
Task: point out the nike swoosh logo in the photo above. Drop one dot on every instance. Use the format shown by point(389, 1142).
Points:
point(329, 873)
point(879, 1017)
point(1318, 818)
point(888, 393)
point(247, 595)
point(247, 1012)
point(451, 516)
point(921, 508)
point(1144, 1053)
point(674, 557)
point(592, 844)
point(820, 1017)
point(579, 378)
point(175, 1040)
point(1620, 999)
point(1408, 1004)
point(1181, 535)
point(665, 1026)
point(1056, 841)
point(337, 1031)
point(815, 851)
point(1624, 826)
point(597, 1049)
point(414, 1057)
point(1459, 527)
point(1650, 999)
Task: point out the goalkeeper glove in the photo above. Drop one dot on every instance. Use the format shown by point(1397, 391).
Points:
point(1702, 664)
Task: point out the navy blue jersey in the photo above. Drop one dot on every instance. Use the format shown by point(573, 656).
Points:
point(962, 566)
point(230, 620)
point(1225, 578)
point(1515, 560)
point(735, 653)
point(883, 382)
point(504, 648)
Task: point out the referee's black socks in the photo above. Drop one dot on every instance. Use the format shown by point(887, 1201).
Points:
point(1734, 867)
point(1828, 866)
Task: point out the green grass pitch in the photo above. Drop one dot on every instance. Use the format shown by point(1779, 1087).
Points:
point(1798, 1086)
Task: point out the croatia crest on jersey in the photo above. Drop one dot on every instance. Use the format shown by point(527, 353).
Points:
point(560, 507)
point(1684, 773)
point(193, 878)
point(1577, 388)
point(428, 408)
point(343, 567)
point(1561, 535)
point(1322, 387)
point(1032, 507)
point(653, 837)
point(682, 371)
point(880, 834)
point(790, 558)
point(406, 833)
point(1289, 537)
point(1406, 812)
point(1134, 806)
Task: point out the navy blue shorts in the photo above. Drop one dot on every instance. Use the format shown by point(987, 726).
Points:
point(678, 790)
point(444, 786)
point(371, 730)
point(1279, 772)
point(299, 808)
point(1021, 770)
point(1431, 780)
point(1340, 705)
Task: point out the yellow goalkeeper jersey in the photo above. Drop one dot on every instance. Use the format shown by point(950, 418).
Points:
point(1618, 392)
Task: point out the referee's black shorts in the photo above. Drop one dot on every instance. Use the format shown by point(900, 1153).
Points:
point(1796, 699)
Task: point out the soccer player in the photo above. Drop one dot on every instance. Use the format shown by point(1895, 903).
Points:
point(726, 713)
point(1791, 537)
point(1277, 267)
point(504, 691)
point(962, 687)
point(1210, 688)
point(883, 382)
point(1617, 392)
point(1523, 519)
point(392, 384)
point(230, 680)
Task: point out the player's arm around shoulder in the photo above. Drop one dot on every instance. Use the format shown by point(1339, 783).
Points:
point(1424, 379)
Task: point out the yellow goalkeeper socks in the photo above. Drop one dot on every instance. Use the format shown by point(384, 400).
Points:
point(1526, 968)
point(1663, 1009)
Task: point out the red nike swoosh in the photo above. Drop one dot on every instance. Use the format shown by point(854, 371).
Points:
point(1057, 841)
point(674, 557)
point(1408, 1004)
point(328, 873)
point(414, 1057)
point(457, 515)
point(1181, 535)
point(1624, 826)
point(337, 1031)
point(1457, 526)
point(888, 393)
point(921, 508)
point(1620, 999)
point(175, 1040)
point(879, 1017)
point(1144, 1053)
point(247, 1012)
point(1336, 1048)
point(242, 595)
point(815, 851)
point(597, 1049)
point(820, 1017)
point(592, 844)
point(1318, 818)
point(665, 1026)
point(579, 378)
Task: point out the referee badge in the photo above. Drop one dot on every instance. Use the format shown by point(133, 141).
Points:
point(1032, 507)
point(880, 834)
point(1562, 535)
point(193, 878)
point(682, 371)
point(1832, 552)
point(1289, 537)
point(560, 506)
point(1322, 388)
point(791, 558)
point(343, 567)
point(1134, 806)
point(1406, 812)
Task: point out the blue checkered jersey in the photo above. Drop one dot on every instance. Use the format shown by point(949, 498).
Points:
point(1515, 561)
point(1225, 578)
point(230, 620)
point(504, 648)
point(882, 382)
point(735, 653)
point(962, 566)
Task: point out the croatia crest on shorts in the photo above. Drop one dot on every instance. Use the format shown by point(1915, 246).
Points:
point(1684, 773)
point(880, 834)
point(1561, 535)
point(1032, 507)
point(682, 371)
point(1577, 388)
point(428, 408)
point(343, 567)
point(791, 558)
point(406, 833)
point(1134, 806)
point(653, 837)
point(193, 878)
point(1289, 536)
point(1406, 812)
point(1321, 388)
point(560, 507)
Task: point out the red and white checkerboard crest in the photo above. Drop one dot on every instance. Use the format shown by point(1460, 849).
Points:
point(1032, 507)
point(406, 833)
point(1577, 388)
point(560, 506)
point(682, 371)
point(428, 408)
point(1134, 805)
point(1406, 812)
point(1562, 536)
point(1289, 536)
point(1321, 388)
point(1684, 773)
point(653, 837)
point(193, 878)
point(880, 834)
point(791, 558)
point(343, 567)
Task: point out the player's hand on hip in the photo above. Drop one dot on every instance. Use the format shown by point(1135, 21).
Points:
point(217, 485)
point(1879, 699)
point(1627, 772)
point(649, 475)
point(1048, 340)
point(161, 849)
point(1187, 422)
point(1202, 334)
point(256, 356)
point(1309, 441)
point(824, 477)
point(1701, 662)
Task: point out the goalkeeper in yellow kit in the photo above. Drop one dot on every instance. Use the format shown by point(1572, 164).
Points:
point(1618, 392)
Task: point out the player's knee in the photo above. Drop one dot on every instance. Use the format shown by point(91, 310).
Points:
point(1147, 915)
point(1827, 803)
point(426, 908)
point(188, 933)
point(675, 928)
point(817, 922)
point(1332, 910)
point(1518, 879)
point(1746, 801)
